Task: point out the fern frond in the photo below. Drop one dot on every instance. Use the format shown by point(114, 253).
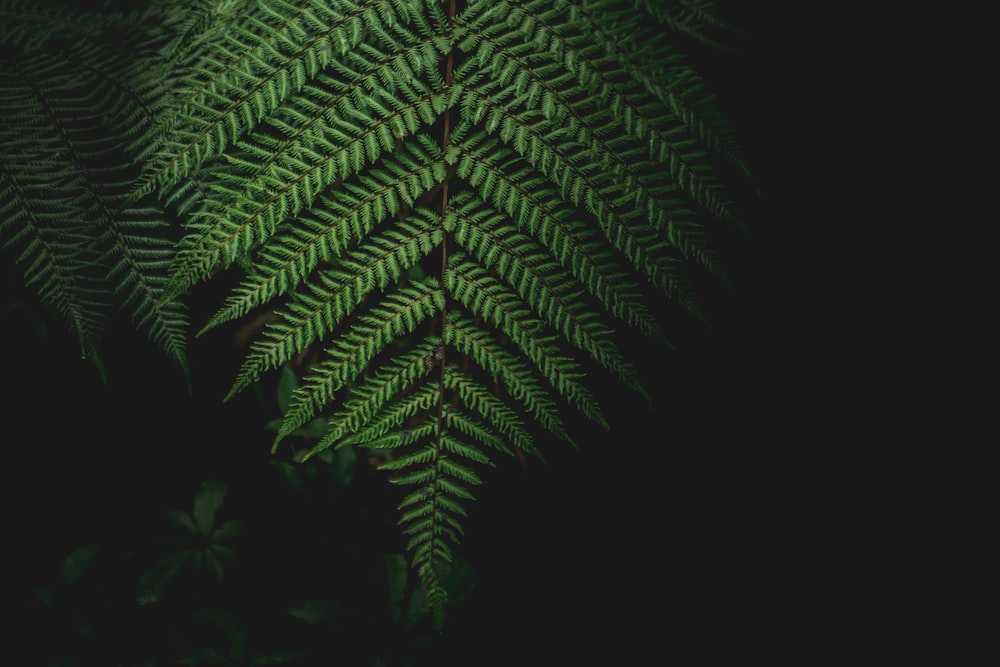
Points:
point(694, 18)
point(543, 284)
point(396, 315)
point(260, 63)
point(496, 413)
point(56, 254)
point(535, 206)
point(62, 133)
point(432, 513)
point(625, 224)
point(34, 24)
point(474, 430)
point(559, 68)
point(487, 298)
point(402, 439)
point(345, 216)
point(313, 314)
point(232, 86)
point(82, 95)
point(385, 429)
point(253, 216)
point(316, 308)
point(556, 75)
point(366, 400)
point(197, 24)
point(509, 370)
point(138, 258)
point(668, 79)
point(437, 596)
point(448, 206)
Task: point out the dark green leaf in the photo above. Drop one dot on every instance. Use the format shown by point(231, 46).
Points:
point(280, 658)
point(287, 384)
point(396, 572)
point(214, 563)
point(228, 530)
point(153, 582)
point(77, 562)
point(344, 460)
point(316, 428)
point(318, 611)
point(181, 520)
point(206, 504)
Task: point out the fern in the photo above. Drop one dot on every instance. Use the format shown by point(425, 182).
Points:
point(450, 205)
point(69, 106)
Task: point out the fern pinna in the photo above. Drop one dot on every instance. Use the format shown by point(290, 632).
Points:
point(445, 204)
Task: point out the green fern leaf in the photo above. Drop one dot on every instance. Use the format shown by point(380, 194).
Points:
point(69, 111)
point(449, 210)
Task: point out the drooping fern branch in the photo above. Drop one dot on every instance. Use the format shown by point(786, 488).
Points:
point(450, 203)
point(70, 101)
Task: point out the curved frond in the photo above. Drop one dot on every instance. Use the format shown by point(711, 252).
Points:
point(68, 111)
point(397, 315)
point(30, 25)
point(317, 310)
point(344, 216)
point(488, 299)
point(542, 283)
point(138, 258)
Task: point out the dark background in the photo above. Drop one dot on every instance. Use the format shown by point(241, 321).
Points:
point(705, 525)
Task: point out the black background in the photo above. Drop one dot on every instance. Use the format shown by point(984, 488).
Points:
point(707, 525)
